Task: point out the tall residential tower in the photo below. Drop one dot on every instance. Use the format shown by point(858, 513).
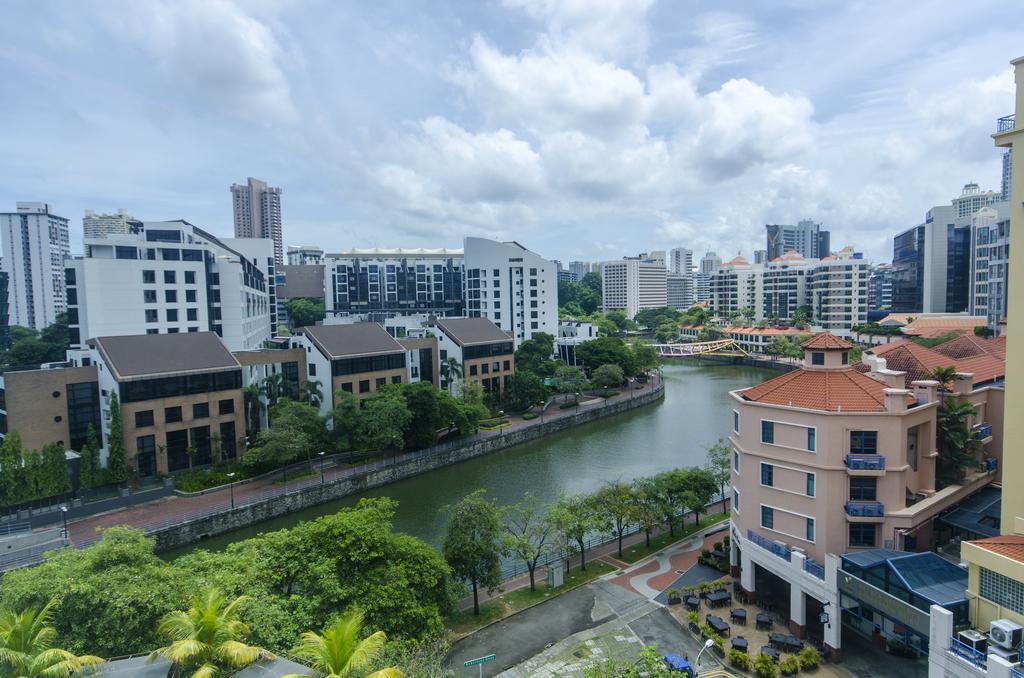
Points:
point(257, 209)
point(35, 245)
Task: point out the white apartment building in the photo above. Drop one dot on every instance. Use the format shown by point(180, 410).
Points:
point(257, 211)
point(98, 225)
point(680, 261)
point(35, 244)
point(513, 287)
point(701, 287)
point(784, 286)
point(172, 277)
point(990, 266)
point(972, 199)
point(580, 268)
point(305, 255)
point(679, 291)
point(710, 263)
point(633, 284)
point(736, 285)
point(839, 291)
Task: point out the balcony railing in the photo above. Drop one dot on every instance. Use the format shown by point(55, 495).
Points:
point(865, 509)
point(1004, 124)
point(982, 431)
point(1015, 672)
point(779, 549)
point(865, 462)
point(965, 651)
point(814, 568)
point(991, 465)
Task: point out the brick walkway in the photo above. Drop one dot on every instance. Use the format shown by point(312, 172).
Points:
point(178, 509)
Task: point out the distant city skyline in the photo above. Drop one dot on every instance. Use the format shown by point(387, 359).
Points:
point(579, 132)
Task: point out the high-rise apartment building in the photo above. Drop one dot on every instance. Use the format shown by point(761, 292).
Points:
point(679, 291)
point(736, 285)
point(580, 268)
point(257, 210)
point(633, 284)
point(1007, 174)
point(990, 266)
point(760, 256)
point(972, 199)
point(5, 318)
point(98, 225)
point(784, 286)
point(680, 261)
point(171, 277)
point(514, 288)
point(305, 255)
point(701, 287)
point(35, 244)
point(381, 282)
point(880, 287)
point(709, 263)
point(838, 286)
point(806, 237)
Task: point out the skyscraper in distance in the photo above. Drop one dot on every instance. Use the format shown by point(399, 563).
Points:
point(35, 245)
point(257, 210)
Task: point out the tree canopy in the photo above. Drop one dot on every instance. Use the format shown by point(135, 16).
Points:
point(304, 312)
point(472, 543)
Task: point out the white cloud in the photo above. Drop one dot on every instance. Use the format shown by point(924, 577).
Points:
point(608, 28)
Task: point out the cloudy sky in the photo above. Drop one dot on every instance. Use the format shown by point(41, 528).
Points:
point(586, 129)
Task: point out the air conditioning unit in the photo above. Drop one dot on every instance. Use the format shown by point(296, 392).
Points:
point(974, 639)
point(1005, 633)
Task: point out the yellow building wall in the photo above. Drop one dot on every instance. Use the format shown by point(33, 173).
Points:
point(982, 610)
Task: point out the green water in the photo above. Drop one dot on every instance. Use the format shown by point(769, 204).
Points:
point(675, 432)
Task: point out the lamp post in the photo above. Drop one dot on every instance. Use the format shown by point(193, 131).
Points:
point(631, 380)
point(501, 422)
point(64, 515)
point(541, 406)
point(708, 644)
point(231, 487)
point(577, 402)
point(321, 467)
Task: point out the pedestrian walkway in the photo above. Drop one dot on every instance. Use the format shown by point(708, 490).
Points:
point(177, 509)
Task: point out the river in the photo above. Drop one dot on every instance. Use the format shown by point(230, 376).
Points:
point(673, 433)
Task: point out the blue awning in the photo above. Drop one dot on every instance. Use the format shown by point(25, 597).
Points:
point(978, 514)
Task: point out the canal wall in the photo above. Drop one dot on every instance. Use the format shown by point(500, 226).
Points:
point(386, 471)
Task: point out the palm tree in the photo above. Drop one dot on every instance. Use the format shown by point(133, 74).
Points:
point(957, 445)
point(312, 392)
point(451, 370)
point(272, 388)
point(339, 653)
point(26, 647)
point(207, 637)
point(943, 375)
point(253, 409)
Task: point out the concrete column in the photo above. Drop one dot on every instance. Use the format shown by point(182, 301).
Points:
point(747, 574)
point(998, 667)
point(734, 558)
point(797, 611)
point(833, 629)
point(940, 629)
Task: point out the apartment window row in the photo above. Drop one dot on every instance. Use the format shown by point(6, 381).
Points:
point(768, 476)
point(1002, 590)
point(173, 415)
point(768, 433)
point(170, 277)
point(768, 522)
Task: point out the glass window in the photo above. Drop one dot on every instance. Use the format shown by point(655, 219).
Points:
point(143, 418)
point(190, 296)
point(735, 421)
point(347, 387)
point(169, 277)
point(190, 277)
point(396, 380)
point(767, 474)
point(364, 386)
point(863, 442)
point(862, 535)
point(810, 439)
point(149, 296)
point(472, 370)
point(172, 315)
point(817, 358)
point(767, 517)
point(736, 460)
point(192, 314)
point(172, 414)
point(151, 315)
point(149, 277)
point(810, 529)
point(863, 489)
point(846, 357)
point(200, 410)
point(768, 432)
point(1002, 590)
point(736, 500)
point(171, 296)
point(810, 484)
point(226, 406)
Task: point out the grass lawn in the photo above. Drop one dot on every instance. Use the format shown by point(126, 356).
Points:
point(632, 554)
point(464, 622)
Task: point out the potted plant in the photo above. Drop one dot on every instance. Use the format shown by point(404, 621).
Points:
point(789, 665)
point(673, 596)
point(809, 658)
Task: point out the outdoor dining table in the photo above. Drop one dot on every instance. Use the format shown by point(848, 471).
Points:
point(718, 624)
point(771, 652)
point(740, 643)
point(784, 641)
point(693, 602)
point(718, 598)
point(738, 615)
point(763, 621)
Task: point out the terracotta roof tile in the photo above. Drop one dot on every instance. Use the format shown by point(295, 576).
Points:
point(829, 390)
point(968, 346)
point(932, 328)
point(1008, 545)
point(825, 341)
point(918, 361)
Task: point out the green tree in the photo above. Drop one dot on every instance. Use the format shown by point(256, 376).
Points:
point(384, 421)
point(621, 320)
point(253, 409)
point(451, 371)
point(649, 508)
point(304, 312)
point(646, 357)
point(207, 638)
point(523, 390)
point(305, 418)
point(607, 351)
point(534, 355)
point(27, 640)
point(312, 392)
point(666, 332)
point(421, 399)
point(608, 376)
point(272, 388)
point(56, 478)
point(801, 317)
point(748, 314)
point(527, 533)
point(472, 543)
point(719, 465)
point(698, 489)
point(569, 380)
point(12, 470)
point(958, 448)
point(345, 421)
point(575, 517)
point(276, 447)
point(117, 465)
point(341, 651)
point(615, 506)
point(90, 474)
point(944, 375)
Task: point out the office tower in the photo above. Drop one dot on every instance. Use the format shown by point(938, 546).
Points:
point(305, 255)
point(633, 284)
point(385, 282)
point(838, 287)
point(657, 256)
point(710, 263)
point(932, 261)
point(580, 268)
point(679, 291)
point(565, 275)
point(1007, 174)
point(5, 319)
point(257, 209)
point(513, 287)
point(806, 237)
point(35, 244)
point(760, 256)
point(990, 272)
point(680, 261)
point(701, 287)
point(880, 287)
point(98, 225)
point(172, 277)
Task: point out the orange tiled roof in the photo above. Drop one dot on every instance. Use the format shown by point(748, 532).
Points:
point(829, 390)
point(737, 261)
point(932, 328)
point(968, 346)
point(918, 361)
point(1008, 545)
point(826, 341)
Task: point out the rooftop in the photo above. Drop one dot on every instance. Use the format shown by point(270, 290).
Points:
point(826, 341)
point(155, 354)
point(828, 390)
point(305, 281)
point(938, 326)
point(351, 341)
point(979, 514)
point(927, 574)
point(399, 252)
point(469, 331)
point(918, 361)
point(1008, 545)
point(969, 345)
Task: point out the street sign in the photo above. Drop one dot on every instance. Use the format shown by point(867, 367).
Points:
point(480, 660)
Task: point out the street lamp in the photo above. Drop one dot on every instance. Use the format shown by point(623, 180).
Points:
point(321, 467)
point(577, 402)
point(64, 514)
point(231, 487)
point(708, 644)
point(541, 406)
point(631, 380)
point(501, 422)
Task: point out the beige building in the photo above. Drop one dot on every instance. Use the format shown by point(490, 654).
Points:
point(484, 351)
point(50, 406)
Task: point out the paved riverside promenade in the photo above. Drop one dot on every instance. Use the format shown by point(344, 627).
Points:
point(178, 509)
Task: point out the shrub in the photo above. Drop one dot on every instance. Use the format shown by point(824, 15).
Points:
point(718, 546)
point(789, 665)
point(672, 595)
point(694, 617)
point(705, 553)
point(527, 416)
point(740, 660)
point(610, 394)
point(203, 479)
point(809, 658)
point(567, 406)
point(765, 667)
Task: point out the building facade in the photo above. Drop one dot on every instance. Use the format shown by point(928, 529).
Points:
point(880, 287)
point(679, 291)
point(35, 245)
point(172, 277)
point(991, 266)
point(257, 212)
point(511, 286)
point(485, 352)
point(710, 263)
point(580, 268)
point(680, 261)
point(633, 284)
point(806, 237)
point(838, 286)
point(100, 225)
point(305, 255)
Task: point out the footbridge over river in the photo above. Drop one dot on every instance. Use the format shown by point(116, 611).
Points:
point(725, 347)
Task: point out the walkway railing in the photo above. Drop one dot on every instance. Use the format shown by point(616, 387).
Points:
point(865, 509)
point(1005, 124)
point(1015, 672)
point(982, 431)
point(778, 548)
point(968, 653)
point(814, 568)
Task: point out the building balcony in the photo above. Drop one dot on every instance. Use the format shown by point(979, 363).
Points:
point(865, 509)
point(865, 462)
point(968, 653)
point(814, 568)
point(991, 465)
point(781, 549)
point(982, 432)
point(1005, 124)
